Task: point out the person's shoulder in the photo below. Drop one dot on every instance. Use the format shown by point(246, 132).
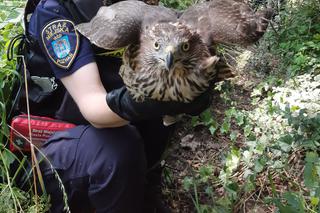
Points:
point(49, 4)
point(56, 35)
point(52, 9)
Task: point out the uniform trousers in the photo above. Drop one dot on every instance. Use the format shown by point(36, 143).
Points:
point(102, 170)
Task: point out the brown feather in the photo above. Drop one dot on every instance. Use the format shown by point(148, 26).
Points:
point(150, 33)
point(226, 21)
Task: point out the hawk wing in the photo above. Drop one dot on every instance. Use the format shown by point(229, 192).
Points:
point(226, 21)
point(120, 24)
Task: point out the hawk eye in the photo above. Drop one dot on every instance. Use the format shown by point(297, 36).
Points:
point(185, 46)
point(156, 45)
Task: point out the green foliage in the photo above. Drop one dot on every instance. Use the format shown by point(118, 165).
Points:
point(206, 119)
point(12, 199)
point(180, 5)
point(282, 133)
point(202, 181)
point(287, 121)
point(9, 27)
point(297, 41)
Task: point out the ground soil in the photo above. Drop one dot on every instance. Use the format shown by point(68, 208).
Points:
point(193, 147)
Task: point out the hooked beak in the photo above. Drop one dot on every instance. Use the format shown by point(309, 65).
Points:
point(169, 60)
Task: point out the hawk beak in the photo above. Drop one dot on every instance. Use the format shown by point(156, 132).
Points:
point(169, 60)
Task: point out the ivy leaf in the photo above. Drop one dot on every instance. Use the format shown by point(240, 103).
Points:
point(207, 117)
point(232, 190)
point(212, 129)
point(195, 121)
point(259, 165)
point(230, 112)
point(249, 184)
point(225, 127)
point(285, 143)
point(187, 183)
point(233, 159)
point(247, 130)
point(239, 119)
point(233, 136)
point(205, 173)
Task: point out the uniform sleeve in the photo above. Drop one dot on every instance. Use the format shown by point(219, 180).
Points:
point(65, 48)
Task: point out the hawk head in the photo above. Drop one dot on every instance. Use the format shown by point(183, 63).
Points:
point(173, 48)
point(171, 63)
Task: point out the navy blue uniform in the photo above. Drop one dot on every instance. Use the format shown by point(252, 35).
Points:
point(101, 169)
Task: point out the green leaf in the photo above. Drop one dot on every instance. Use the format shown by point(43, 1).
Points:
point(294, 108)
point(312, 157)
point(225, 127)
point(8, 157)
point(239, 119)
point(249, 184)
point(259, 165)
point(187, 183)
point(206, 117)
point(232, 190)
point(230, 112)
point(295, 201)
point(247, 130)
point(234, 136)
point(232, 160)
point(224, 201)
point(205, 173)
point(311, 178)
point(195, 121)
point(314, 201)
point(212, 130)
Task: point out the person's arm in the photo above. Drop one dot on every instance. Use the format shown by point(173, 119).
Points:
point(87, 90)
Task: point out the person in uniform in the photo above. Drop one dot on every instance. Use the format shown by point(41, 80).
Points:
point(104, 162)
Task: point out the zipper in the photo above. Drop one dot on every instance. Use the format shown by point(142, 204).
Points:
point(41, 119)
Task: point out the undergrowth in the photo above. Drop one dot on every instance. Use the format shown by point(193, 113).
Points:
point(12, 198)
point(274, 167)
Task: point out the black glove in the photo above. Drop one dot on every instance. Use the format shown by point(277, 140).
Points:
point(121, 102)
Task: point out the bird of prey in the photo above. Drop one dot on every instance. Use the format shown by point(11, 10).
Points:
point(168, 54)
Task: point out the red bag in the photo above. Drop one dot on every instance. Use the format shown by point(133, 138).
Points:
point(42, 128)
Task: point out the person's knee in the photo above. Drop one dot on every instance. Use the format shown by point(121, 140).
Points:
point(112, 159)
point(117, 170)
point(121, 147)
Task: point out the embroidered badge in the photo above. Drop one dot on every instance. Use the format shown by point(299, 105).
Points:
point(61, 42)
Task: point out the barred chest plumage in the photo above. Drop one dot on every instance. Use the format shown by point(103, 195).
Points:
point(182, 83)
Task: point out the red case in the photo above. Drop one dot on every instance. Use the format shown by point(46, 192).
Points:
point(42, 128)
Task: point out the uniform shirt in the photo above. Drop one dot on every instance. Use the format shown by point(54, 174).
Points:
point(66, 49)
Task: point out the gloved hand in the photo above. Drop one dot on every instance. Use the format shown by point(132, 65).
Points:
point(121, 102)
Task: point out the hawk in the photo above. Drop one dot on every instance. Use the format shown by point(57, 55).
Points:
point(169, 54)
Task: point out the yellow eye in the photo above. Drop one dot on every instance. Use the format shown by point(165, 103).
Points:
point(185, 46)
point(156, 45)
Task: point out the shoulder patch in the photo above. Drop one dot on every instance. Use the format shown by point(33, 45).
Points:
point(61, 41)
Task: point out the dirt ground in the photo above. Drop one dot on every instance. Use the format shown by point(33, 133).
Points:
point(193, 147)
